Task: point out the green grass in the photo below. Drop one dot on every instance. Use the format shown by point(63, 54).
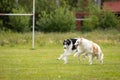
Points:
point(10, 39)
point(41, 64)
point(19, 62)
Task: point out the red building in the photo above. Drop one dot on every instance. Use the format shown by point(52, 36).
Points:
point(114, 6)
point(79, 19)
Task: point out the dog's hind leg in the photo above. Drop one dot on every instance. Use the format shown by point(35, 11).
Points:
point(78, 58)
point(90, 59)
point(76, 54)
point(101, 58)
point(84, 56)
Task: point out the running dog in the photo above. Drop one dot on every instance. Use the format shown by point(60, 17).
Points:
point(69, 47)
point(88, 48)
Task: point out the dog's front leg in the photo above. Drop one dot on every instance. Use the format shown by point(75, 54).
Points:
point(64, 56)
point(84, 56)
point(61, 56)
point(65, 59)
point(78, 53)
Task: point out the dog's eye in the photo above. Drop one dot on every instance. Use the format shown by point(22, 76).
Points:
point(64, 43)
point(77, 42)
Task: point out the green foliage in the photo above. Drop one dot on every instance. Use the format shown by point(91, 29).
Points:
point(49, 5)
point(109, 20)
point(1, 23)
point(26, 4)
point(6, 6)
point(99, 19)
point(51, 17)
point(19, 23)
point(45, 5)
point(91, 23)
point(14, 39)
point(61, 20)
point(14, 23)
point(81, 6)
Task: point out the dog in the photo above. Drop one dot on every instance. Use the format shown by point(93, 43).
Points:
point(88, 48)
point(69, 47)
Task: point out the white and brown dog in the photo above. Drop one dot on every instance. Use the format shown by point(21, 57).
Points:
point(87, 47)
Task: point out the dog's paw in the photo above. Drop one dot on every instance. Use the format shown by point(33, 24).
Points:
point(65, 63)
point(58, 58)
point(75, 55)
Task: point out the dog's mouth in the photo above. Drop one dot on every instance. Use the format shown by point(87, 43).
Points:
point(76, 45)
point(65, 47)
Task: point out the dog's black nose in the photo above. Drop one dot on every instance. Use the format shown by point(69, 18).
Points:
point(65, 48)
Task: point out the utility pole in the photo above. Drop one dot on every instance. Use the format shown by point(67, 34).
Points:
point(58, 3)
point(98, 2)
point(16, 2)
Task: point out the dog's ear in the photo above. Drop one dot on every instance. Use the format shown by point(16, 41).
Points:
point(78, 41)
point(68, 41)
point(64, 42)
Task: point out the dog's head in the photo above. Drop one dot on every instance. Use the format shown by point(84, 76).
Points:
point(78, 42)
point(66, 43)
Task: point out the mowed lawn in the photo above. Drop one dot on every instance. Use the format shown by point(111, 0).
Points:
point(42, 64)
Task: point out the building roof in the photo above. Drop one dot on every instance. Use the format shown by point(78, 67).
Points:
point(114, 6)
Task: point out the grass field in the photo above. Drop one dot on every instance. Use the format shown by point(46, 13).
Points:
point(23, 63)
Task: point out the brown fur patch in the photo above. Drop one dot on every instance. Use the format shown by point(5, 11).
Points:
point(95, 49)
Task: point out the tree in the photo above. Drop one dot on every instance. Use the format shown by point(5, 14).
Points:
point(19, 23)
point(6, 6)
point(60, 20)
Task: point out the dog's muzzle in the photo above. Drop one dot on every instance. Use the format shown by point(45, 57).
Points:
point(65, 47)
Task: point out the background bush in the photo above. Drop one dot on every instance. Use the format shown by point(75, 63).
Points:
point(1, 23)
point(109, 20)
point(91, 23)
point(19, 23)
point(53, 17)
point(60, 20)
point(99, 19)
